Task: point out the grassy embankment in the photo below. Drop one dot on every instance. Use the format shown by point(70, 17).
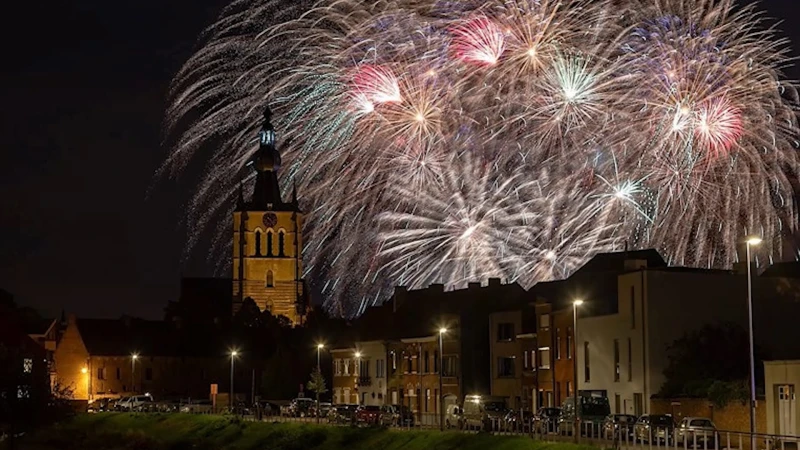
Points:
point(184, 432)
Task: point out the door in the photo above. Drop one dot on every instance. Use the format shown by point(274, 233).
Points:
point(617, 404)
point(786, 410)
point(638, 404)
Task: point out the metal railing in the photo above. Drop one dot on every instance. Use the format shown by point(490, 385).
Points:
point(599, 434)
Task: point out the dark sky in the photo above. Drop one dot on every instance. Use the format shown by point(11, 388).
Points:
point(82, 95)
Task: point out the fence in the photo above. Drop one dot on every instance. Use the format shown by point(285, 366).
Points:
point(598, 434)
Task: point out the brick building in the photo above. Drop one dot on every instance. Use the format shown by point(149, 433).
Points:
point(101, 358)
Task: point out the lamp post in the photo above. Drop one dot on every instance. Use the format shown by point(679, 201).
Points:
point(575, 305)
point(752, 240)
point(319, 373)
point(442, 331)
point(358, 374)
point(134, 357)
point(234, 354)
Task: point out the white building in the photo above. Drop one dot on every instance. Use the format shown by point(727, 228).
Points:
point(627, 343)
point(781, 380)
point(371, 382)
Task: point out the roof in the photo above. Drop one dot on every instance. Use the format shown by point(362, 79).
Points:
point(39, 327)
point(123, 337)
point(12, 335)
point(783, 269)
point(615, 262)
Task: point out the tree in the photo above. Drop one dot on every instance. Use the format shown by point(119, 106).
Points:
point(711, 363)
point(317, 383)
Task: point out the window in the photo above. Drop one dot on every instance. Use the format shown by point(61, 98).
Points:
point(346, 366)
point(558, 343)
point(586, 374)
point(544, 358)
point(101, 373)
point(569, 343)
point(337, 366)
point(148, 374)
point(258, 243)
point(616, 359)
point(394, 362)
point(281, 243)
point(380, 368)
point(363, 368)
point(119, 373)
point(533, 359)
point(270, 279)
point(505, 367)
point(505, 332)
point(346, 396)
point(269, 243)
point(427, 397)
point(633, 308)
point(27, 365)
point(525, 360)
point(449, 366)
point(630, 360)
point(436, 361)
point(23, 391)
point(569, 388)
point(544, 321)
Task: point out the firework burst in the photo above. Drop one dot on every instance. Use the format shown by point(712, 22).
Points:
point(451, 142)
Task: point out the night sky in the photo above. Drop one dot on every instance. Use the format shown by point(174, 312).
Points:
point(82, 95)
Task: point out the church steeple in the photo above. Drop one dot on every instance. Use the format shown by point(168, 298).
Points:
point(267, 162)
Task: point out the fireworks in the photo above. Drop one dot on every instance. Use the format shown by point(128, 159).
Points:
point(452, 142)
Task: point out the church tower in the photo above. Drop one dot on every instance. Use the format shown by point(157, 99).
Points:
point(268, 240)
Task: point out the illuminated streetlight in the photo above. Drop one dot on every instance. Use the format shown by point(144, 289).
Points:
point(84, 370)
point(320, 346)
point(234, 354)
point(750, 241)
point(442, 331)
point(134, 357)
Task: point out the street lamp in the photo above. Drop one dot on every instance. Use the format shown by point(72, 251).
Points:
point(575, 305)
point(234, 354)
point(358, 374)
point(134, 357)
point(320, 346)
point(442, 331)
point(750, 241)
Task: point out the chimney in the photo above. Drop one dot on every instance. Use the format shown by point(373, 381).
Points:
point(399, 297)
point(494, 282)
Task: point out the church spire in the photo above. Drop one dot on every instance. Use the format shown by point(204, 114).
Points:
point(267, 161)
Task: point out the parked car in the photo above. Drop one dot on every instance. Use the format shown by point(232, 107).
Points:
point(168, 406)
point(396, 415)
point(141, 403)
point(591, 410)
point(619, 425)
point(452, 416)
point(697, 430)
point(368, 415)
point(654, 428)
point(546, 420)
point(342, 414)
point(483, 411)
point(300, 407)
point(101, 405)
point(197, 407)
point(324, 408)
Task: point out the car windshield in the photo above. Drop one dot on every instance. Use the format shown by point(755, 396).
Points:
point(661, 420)
point(595, 406)
point(700, 423)
point(494, 406)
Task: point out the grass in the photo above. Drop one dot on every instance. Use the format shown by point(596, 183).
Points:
point(112, 431)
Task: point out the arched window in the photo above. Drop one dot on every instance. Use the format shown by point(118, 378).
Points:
point(269, 243)
point(270, 279)
point(258, 243)
point(281, 243)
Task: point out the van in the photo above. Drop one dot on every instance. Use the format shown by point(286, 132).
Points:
point(482, 411)
point(591, 414)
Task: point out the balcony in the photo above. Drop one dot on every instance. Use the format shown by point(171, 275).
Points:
point(364, 381)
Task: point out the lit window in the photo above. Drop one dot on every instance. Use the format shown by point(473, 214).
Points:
point(27, 365)
point(23, 391)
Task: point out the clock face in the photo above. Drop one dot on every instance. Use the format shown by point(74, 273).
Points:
point(270, 220)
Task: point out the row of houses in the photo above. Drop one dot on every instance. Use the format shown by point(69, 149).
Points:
point(525, 346)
